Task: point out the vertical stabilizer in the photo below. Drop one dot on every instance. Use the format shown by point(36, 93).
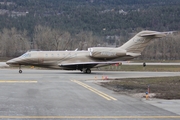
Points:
point(140, 41)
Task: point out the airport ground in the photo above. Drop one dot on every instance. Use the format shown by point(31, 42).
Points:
point(157, 87)
point(57, 94)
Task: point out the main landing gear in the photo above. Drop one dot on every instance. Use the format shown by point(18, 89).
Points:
point(86, 70)
point(20, 71)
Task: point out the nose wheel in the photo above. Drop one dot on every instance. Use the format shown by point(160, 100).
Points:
point(20, 71)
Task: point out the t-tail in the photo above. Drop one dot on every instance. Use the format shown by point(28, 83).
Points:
point(136, 45)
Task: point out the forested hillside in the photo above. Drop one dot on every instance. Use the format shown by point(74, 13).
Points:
point(71, 24)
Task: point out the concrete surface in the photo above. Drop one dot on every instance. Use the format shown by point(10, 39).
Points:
point(54, 94)
point(170, 105)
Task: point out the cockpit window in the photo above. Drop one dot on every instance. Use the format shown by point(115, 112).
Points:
point(26, 55)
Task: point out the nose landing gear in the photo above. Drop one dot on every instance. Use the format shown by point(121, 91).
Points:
point(20, 71)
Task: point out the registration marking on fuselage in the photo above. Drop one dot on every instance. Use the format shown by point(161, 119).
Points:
point(107, 97)
point(18, 81)
point(89, 117)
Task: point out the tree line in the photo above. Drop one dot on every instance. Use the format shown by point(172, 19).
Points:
point(71, 24)
point(93, 15)
point(14, 43)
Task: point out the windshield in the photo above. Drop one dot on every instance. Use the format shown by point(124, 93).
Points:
point(27, 54)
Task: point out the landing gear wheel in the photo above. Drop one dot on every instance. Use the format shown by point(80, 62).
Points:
point(20, 71)
point(88, 71)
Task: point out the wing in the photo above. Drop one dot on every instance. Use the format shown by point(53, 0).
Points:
point(90, 64)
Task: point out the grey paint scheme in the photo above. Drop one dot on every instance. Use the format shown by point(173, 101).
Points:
point(93, 57)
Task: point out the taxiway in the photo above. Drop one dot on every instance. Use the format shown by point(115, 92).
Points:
point(54, 94)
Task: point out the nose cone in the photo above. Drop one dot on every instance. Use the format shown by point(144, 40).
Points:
point(9, 62)
point(12, 62)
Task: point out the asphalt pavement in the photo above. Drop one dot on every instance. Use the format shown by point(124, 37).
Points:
point(56, 94)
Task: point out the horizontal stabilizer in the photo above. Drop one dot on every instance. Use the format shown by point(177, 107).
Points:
point(156, 35)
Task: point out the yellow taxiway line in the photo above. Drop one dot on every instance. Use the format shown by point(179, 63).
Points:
point(107, 97)
point(89, 117)
point(18, 81)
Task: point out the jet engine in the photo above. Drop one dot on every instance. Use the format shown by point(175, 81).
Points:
point(106, 53)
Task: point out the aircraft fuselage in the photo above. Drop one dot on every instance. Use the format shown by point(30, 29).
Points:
point(54, 59)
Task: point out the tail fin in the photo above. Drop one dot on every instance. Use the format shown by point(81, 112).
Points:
point(140, 41)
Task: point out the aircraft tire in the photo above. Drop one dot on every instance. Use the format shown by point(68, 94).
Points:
point(88, 71)
point(20, 71)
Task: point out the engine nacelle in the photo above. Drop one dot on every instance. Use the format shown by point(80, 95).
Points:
point(107, 53)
